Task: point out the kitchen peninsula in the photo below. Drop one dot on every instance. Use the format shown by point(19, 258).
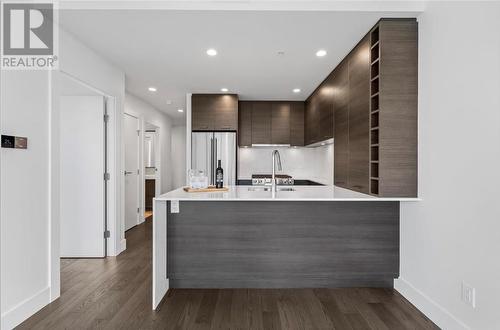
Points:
point(248, 237)
point(355, 134)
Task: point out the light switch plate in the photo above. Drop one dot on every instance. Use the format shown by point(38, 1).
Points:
point(174, 206)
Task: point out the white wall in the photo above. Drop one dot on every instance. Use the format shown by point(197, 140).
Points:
point(178, 156)
point(30, 178)
point(89, 67)
point(25, 195)
point(453, 234)
point(147, 113)
point(301, 163)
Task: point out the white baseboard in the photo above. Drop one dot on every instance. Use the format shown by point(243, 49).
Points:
point(437, 313)
point(123, 245)
point(25, 309)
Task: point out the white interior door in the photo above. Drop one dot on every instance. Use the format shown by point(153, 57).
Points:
point(131, 137)
point(82, 181)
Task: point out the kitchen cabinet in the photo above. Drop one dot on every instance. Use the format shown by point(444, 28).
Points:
point(359, 90)
point(280, 123)
point(393, 108)
point(319, 113)
point(261, 122)
point(325, 110)
point(245, 124)
point(375, 111)
point(297, 123)
point(341, 112)
point(214, 112)
point(312, 119)
point(271, 122)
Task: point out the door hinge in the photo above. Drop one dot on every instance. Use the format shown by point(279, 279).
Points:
point(138, 132)
point(107, 234)
point(106, 118)
point(138, 209)
point(137, 171)
point(106, 176)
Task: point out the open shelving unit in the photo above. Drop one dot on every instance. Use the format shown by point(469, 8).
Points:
point(374, 110)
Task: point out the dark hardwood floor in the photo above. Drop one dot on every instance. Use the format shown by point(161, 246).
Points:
point(115, 293)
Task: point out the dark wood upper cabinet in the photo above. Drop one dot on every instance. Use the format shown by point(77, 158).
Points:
point(312, 133)
point(325, 94)
point(202, 115)
point(271, 122)
point(319, 113)
point(297, 123)
point(245, 124)
point(261, 122)
point(340, 86)
point(214, 112)
point(359, 111)
point(280, 123)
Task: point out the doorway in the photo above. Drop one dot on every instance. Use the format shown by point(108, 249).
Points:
point(131, 135)
point(83, 168)
point(151, 157)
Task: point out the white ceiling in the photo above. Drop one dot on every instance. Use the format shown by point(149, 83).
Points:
point(166, 49)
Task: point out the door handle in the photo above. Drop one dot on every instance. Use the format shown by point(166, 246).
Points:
point(128, 172)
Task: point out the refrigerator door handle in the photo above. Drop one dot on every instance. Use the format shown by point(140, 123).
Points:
point(215, 159)
point(211, 169)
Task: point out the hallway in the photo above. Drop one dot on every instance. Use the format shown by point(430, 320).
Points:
point(115, 293)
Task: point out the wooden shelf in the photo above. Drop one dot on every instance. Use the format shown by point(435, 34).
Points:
point(375, 61)
point(374, 145)
point(375, 44)
point(375, 111)
point(376, 94)
point(374, 178)
point(374, 161)
point(374, 128)
point(376, 77)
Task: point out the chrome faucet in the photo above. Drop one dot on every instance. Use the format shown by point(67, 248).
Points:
point(276, 156)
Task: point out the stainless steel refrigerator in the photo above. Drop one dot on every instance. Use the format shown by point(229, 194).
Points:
point(209, 147)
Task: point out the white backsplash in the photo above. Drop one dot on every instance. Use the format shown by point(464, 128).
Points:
point(301, 163)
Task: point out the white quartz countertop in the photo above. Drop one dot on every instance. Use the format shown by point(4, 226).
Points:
point(300, 193)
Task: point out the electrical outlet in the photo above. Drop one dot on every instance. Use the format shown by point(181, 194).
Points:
point(174, 206)
point(468, 295)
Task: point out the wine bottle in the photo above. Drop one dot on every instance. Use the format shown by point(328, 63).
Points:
point(219, 176)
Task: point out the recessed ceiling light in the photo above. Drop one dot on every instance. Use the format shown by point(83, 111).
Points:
point(152, 89)
point(323, 143)
point(211, 52)
point(224, 90)
point(180, 110)
point(321, 53)
point(296, 90)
